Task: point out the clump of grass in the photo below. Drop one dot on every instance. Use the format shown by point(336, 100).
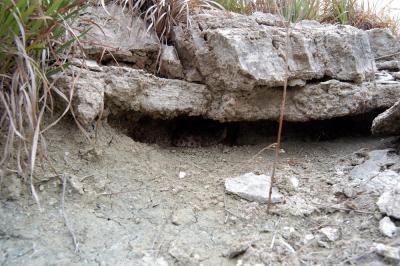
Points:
point(361, 15)
point(346, 12)
point(291, 10)
point(34, 38)
point(162, 15)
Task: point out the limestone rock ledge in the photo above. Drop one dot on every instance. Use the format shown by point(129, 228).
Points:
point(231, 67)
point(122, 90)
point(232, 52)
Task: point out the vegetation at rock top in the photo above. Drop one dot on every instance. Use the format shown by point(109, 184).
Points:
point(349, 12)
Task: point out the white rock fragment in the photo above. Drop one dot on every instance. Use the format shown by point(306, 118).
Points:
point(383, 181)
point(76, 184)
point(182, 174)
point(388, 251)
point(383, 77)
point(329, 233)
point(372, 166)
point(387, 227)
point(294, 182)
point(308, 238)
point(253, 187)
point(389, 202)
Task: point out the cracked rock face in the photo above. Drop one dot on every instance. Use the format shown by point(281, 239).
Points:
point(121, 37)
point(231, 67)
point(123, 89)
point(130, 90)
point(388, 123)
point(235, 52)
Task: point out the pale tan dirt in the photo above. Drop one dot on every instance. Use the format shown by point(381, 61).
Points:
point(135, 207)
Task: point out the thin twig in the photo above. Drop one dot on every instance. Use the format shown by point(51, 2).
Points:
point(269, 147)
point(76, 244)
point(356, 258)
point(342, 208)
point(388, 55)
point(281, 115)
point(275, 232)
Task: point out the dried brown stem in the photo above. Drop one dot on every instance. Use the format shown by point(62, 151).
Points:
point(281, 116)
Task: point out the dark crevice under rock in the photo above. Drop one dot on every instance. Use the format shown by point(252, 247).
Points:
point(198, 132)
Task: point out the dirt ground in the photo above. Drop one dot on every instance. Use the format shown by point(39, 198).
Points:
point(130, 203)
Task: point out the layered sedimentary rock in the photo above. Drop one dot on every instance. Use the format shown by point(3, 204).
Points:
point(234, 52)
point(124, 90)
point(231, 67)
point(119, 38)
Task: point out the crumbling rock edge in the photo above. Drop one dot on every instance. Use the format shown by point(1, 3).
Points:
point(120, 90)
point(230, 67)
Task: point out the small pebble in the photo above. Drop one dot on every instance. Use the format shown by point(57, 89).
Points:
point(387, 227)
point(182, 174)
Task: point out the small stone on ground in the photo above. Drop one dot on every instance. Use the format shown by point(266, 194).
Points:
point(387, 227)
point(253, 187)
point(388, 252)
point(389, 202)
point(331, 234)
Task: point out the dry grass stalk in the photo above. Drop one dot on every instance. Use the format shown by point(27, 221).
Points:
point(349, 12)
point(34, 40)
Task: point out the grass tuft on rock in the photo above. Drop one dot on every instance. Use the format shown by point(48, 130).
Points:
point(346, 12)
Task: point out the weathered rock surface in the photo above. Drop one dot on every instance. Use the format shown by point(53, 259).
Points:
point(11, 186)
point(183, 217)
point(253, 187)
point(377, 173)
point(170, 65)
point(318, 101)
point(388, 123)
point(238, 53)
point(124, 89)
point(231, 67)
point(88, 92)
point(389, 252)
point(387, 227)
point(383, 43)
point(330, 234)
point(120, 37)
point(389, 202)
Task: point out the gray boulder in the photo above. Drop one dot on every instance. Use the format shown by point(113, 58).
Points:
point(383, 43)
point(234, 52)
